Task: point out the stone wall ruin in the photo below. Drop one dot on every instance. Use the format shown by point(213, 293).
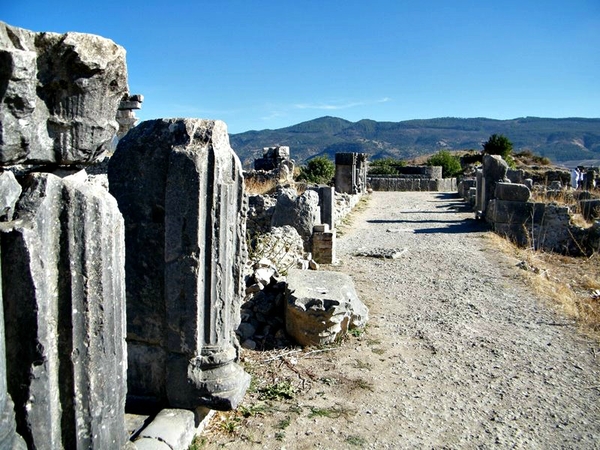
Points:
point(413, 178)
point(65, 249)
point(62, 253)
point(509, 209)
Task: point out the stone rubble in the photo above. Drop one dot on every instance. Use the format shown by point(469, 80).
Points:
point(321, 307)
point(61, 97)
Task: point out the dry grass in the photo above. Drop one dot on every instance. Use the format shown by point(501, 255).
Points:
point(256, 186)
point(572, 283)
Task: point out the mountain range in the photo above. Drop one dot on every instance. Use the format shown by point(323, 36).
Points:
point(558, 139)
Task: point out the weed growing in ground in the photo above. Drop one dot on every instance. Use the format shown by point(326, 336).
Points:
point(252, 410)
point(333, 412)
point(362, 365)
point(361, 383)
point(198, 442)
point(281, 390)
point(356, 441)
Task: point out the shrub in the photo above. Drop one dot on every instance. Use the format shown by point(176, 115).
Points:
point(319, 170)
point(498, 144)
point(450, 163)
point(386, 166)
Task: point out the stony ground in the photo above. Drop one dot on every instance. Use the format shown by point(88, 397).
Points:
point(458, 352)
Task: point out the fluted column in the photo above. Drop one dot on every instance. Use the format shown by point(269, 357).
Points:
point(195, 203)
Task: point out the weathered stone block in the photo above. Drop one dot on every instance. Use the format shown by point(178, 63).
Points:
point(321, 307)
point(60, 97)
point(512, 192)
point(9, 439)
point(590, 208)
point(494, 171)
point(299, 211)
point(10, 191)
point(64, 298)
point(180, 188)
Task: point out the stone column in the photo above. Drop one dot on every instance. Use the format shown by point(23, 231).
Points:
point(327, 203)
point(126, 113)
point(64, 298)
point(9, 439)
point(180, 188)
point(350, 172)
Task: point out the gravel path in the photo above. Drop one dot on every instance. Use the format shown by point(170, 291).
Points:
point(477, 360)
point(458, 352)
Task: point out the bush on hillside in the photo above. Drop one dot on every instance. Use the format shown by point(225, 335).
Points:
point(386, 166)
point(319, 170)
point(498, 144)
point(450, 163)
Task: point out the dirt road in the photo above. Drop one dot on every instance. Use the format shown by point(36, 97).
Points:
point(458, 353)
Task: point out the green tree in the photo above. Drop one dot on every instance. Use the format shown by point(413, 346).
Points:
point(498, 144)
point(319, 170)
point(450, 163)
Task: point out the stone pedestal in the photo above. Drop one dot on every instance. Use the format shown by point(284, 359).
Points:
point(323, 244)
point(180, 188)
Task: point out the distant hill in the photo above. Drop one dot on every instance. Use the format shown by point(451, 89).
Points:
point(558, 139)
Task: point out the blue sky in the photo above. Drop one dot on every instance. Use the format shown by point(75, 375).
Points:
point(270, 64)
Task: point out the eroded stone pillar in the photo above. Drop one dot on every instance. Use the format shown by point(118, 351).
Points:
point(64, 298)
point(180, 188)
point(351, 172)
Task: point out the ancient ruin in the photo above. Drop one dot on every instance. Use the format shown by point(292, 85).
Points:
point(61, 242)
point(503, 198)
point(351, 173)
point(413, 178)
point(179, 187)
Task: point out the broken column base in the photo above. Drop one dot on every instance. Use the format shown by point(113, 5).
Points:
point(193, 382)
point(321, 307)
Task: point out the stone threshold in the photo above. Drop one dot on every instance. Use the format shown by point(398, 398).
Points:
point(170, 429)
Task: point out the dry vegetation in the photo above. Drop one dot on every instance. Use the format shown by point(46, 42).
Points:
point(571, 283)
point(257, 186)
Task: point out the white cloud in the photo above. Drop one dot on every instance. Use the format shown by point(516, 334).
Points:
point(331, 106)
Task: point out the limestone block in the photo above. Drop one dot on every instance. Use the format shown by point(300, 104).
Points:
point(512, 192)
point(494, 171)
point(503, 211)
point(180, 188)
point(299, 211)
point(590, 208)
point(321, 307)
point(10, 191)
point(64, 298)
point(60, 97)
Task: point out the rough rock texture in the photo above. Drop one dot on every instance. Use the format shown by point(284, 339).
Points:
point(512, 192)
point(300, 211)
point(180, 188)
point(494, 171)
point(321, 307)
point(10, 191)
point(64, 298)
point(9, 439)
point(590, 209)
point(283, 246)
point(59, 95)
point(260, 211)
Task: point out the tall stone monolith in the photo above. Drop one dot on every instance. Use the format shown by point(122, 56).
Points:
point(180, 188)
